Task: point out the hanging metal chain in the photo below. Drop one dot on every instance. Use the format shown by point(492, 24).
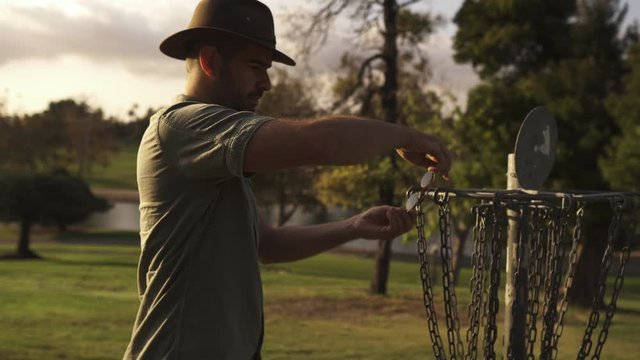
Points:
point(611, 308)
point(432, 320)
point(614, 229)
point(556, 255)
point(543, 251)
point(535, 276)
point(598, 297)
point(477, 283)
point(456, 349)
point(562, 224)
point(491, 311)
point(576, 242)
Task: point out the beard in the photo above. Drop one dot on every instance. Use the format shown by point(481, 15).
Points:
point(227, 93)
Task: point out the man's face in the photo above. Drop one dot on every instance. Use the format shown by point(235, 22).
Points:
point(243, 77)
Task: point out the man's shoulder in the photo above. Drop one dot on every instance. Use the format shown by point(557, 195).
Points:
point(186, 111)
point(193, 115)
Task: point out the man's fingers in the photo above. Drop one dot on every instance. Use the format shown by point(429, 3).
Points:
point(407, 220)
point(394, 222)
point(448, 157)
point(443, 159)
point(399, 221)
point(385, 222)
point(438, 157)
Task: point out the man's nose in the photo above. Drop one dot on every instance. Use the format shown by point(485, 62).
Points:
point(265, 82)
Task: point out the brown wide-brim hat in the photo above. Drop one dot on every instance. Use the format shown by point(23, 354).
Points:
point(245, 19)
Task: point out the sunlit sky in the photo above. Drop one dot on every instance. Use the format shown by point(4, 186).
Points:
point(106, 51)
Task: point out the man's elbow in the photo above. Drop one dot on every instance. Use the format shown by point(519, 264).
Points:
point(266, 252)
point(265, 257)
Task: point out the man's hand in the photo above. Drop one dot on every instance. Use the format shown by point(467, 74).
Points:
point(381, 223)
point(428, 151)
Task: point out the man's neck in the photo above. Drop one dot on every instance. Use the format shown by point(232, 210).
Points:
point(196, 96)
point(197, 93)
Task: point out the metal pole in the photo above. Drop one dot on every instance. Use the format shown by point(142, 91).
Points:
point(515, 295)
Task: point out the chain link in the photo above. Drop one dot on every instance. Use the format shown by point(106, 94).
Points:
point(456, 349)
point(535, 277)
point(477, 283)
point(493, 303)
point(612, 235)
point(543, 243)
point(432, 320)
point(568, 283)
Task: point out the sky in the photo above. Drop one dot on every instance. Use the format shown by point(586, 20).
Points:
point(106, 52)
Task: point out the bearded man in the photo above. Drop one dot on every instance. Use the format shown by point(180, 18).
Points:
point(202, 238)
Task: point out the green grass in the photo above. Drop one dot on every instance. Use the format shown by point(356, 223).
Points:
point(80, 303)
point(76, 304)
point(120, 173)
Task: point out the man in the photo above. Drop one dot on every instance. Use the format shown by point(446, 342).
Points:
point(201, 237)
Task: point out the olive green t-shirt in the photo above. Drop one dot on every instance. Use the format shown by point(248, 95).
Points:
point(198, 277)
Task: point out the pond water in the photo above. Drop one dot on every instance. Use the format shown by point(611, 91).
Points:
point(121, 216)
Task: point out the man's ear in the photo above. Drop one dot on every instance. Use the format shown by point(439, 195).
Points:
point(210, 61)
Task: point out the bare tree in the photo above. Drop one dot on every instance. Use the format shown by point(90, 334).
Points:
point(375, 87)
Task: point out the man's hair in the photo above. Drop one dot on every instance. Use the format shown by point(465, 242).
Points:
point(228, 46)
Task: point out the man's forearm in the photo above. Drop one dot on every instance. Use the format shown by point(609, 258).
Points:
point(292, 243)
point(298, 242)
point(349, 140)
point(282, 144)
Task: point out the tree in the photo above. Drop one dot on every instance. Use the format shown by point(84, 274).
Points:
point(571, 72)
point(286, 190)
point(81, 135)
point(510, 39)
point(30, 191)
point(66, 133)
point(130, 131)
point(621, 165)
point(15, 152)
point(57, 198)
point(371, 89)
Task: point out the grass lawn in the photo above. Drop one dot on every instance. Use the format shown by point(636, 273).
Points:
point(80, 303)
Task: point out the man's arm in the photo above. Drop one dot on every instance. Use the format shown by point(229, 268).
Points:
point(282, 144)
point(292, 243)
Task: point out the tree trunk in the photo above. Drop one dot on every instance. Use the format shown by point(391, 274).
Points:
point(23, 251)
point(589, 262)
point(458, 247)
point(383, 256)
point(381, 274)
point(389, 105)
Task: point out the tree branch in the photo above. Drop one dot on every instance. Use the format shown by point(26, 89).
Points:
point(366, 64)
point(286, 215)
point(315, 34)
point(407, 3)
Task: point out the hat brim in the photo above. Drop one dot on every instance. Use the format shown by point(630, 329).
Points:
point(176, 45)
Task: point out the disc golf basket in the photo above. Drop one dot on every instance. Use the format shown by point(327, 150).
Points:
point(542, 233)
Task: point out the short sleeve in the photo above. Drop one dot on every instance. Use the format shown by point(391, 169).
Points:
point(207, 141)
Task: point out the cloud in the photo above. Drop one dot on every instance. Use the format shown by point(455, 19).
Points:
point(109, 34)
point(119, 34)
point(447, 74)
